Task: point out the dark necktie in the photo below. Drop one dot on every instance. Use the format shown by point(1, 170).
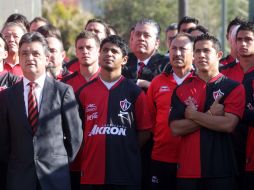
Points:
point(32, 107)
point(141, 67)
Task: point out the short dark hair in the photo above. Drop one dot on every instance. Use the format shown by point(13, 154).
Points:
point(246, 26)
point(209, 37)
point(49, 30)
point(18, 18)
point(199, 28)
point(34, 37)
point(187, 19)
point(96, 20)
point(172, 26)
point(88, 35)
point(5, 43)
point(236, 21)
point(152, 23)
point(118, 41)
point(39, 19)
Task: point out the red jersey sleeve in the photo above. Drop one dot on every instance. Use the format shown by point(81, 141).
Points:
point(151, 104)
point(235, 101)
point(142, 116)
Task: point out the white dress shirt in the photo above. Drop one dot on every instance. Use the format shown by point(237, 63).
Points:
point(38, 90)
point(180, 80)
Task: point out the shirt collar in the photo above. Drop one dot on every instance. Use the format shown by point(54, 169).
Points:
point(145, 61)
point(40, 81)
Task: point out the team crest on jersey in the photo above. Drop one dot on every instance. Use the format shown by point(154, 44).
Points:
point(3, 87)
point(250, 107)
point(125, 105)
point(164, 89)
point(123, 114)
point(217, 94)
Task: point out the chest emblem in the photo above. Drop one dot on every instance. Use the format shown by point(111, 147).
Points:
point(124, 114)
point(125, 105)
point(217, 94)
point(164, 89)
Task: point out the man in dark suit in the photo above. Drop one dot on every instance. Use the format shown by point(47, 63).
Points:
point(144, 63)
point(40, 123)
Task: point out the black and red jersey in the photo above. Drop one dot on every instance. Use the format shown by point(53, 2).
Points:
point(112, 119)
point(227, 60)
point(235, 72)
point(73, 65)
point(243, 134)
point(166, 146)
point(249, 121)
point(7, 79)
point(76, 80)
point(206, 153)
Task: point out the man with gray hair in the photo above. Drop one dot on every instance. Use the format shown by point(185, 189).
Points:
point(145, 63)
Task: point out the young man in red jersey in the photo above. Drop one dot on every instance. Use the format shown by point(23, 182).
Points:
point(116, 120)
point(206, 159)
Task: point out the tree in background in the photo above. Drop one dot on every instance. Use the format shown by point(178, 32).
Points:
point(123, 14)
point(69, 19)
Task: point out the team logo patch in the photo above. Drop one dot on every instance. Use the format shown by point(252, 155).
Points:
point(92, 116)
point(124, 114)
point(217, 94)
point(91, 108)
point(125, 105)
point(164, 89)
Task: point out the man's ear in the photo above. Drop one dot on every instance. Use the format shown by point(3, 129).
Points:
point(125, 59)
point(5, 55)
point(157, 44)
point(47, 60)
point(63, 54)
point(220, 54)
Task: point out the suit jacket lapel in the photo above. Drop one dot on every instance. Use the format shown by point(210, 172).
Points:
point(47, 96)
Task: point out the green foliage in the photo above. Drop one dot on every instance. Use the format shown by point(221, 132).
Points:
point(124, 14)
point(69, 19)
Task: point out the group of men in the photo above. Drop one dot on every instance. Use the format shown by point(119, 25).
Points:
point(111, 119)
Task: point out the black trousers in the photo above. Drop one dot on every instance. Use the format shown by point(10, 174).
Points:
point(163, 175)
point(229, 183)
point(248, 181)
point(108, 187)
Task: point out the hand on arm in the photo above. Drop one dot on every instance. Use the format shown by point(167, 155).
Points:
point(143, 83)
point(216, 108)
point(222, 123)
